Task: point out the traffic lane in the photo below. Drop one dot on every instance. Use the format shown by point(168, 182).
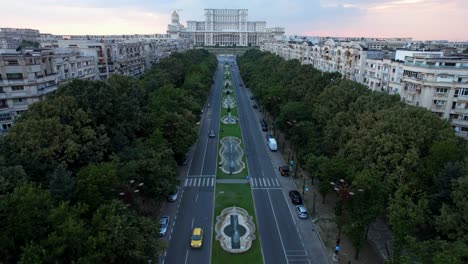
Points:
point(270, 239)
point(287, 221)
point(180, 227)
point(312, 241)
point(203, 218)
point(257, 140)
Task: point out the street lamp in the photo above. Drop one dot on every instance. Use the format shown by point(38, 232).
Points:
point(130, 189)
point(346, 192)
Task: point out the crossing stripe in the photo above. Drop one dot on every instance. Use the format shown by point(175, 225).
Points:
point(186, 181)
point(264, 182)
point(277, 182)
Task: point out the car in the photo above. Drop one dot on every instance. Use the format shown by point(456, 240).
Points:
point(302, 211)
point(240, 85)
point(262, 121)
point(284, 170)
point(255, 106)
point(212, 134)
point(252, 97)
point(163, 225)
point(173, 195)
point(264, 128)
point(268, 136)
point(196, 241)
point(295, 197)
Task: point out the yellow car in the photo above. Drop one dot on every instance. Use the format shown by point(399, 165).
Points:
point(197, 238)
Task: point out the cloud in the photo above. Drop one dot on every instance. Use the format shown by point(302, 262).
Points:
point(420, 19)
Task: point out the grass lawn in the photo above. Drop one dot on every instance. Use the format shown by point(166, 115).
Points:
point(239, 195)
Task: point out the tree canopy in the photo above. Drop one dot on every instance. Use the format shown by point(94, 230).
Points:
point(409, 163)
point(70, 164)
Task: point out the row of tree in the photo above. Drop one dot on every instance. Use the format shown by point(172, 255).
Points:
point(83, 172)
point(411, 166)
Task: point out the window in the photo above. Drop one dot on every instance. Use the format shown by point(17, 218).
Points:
point(17, 88)
point(441, 90)
point(393, 70)
point(12, 62)
point(14, 76)
point(18, 100)
point(440, 102)
point(461, 92)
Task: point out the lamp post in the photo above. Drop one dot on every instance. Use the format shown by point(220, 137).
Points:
point(346, 192)
point(130, 190)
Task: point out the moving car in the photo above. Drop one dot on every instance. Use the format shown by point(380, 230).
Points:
point(173, 195)
point(295, 197)
point(284, 170)
point(212, 134)
point(196, 241)
point(302, 211)
point(163, 225)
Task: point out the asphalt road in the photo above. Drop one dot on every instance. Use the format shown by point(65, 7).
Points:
point(281, 232)
point(284, 237)
point(194, 207)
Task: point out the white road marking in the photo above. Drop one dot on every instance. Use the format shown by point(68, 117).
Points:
point(196, 199)
point(277, 226)
point(186, 181)
point(186, 257)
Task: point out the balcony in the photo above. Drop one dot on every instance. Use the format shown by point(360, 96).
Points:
point(438, 108)
point(463, 134)
point(461, 98)
point(459, 122)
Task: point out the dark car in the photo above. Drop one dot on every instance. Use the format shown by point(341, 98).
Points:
point(255, 106)
point(265, 128)
point(284, 170)
point(252, 97)
point(295, 197)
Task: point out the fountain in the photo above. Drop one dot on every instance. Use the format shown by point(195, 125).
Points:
point(235, 230)
point(231, 155)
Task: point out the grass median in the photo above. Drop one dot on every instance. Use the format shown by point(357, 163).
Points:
point(239, 195)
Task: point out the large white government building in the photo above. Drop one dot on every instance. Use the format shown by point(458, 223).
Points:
point(230, 27)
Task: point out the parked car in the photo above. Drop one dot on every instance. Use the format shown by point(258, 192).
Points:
point(173, 195)
point(196, 241)
point(163, 225)
point(265, 128)
point(302, 211)
point(272, 145)
point(255, 106)
point(295, 197)
point(212, 134)
point(252, 97)
point(284, 170)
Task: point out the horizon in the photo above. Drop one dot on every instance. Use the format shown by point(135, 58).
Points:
point(420, 20)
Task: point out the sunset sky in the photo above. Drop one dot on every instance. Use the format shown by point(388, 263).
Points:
point(419, 19)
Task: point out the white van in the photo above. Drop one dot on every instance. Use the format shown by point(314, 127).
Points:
point(272, 144)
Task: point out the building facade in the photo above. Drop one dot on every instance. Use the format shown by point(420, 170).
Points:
point(25, 77)
point(421, 78)
point(229, 27)
point(10, 38)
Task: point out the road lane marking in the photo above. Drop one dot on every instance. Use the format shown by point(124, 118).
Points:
point(186, 256)
point(193, 219)
point(196, 199)
point(264, 184)
point(277, 226)
point(186, 180)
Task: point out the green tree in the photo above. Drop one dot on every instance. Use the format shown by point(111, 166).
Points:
point(97, 184)
point(61, 183)
point(23, 218)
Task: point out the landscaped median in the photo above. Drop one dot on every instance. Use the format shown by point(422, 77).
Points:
point(233, 190)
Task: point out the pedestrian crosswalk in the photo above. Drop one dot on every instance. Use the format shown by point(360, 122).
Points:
point(199, 182)
point(265, 183)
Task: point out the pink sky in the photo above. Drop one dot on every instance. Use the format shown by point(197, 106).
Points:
point(417, 19)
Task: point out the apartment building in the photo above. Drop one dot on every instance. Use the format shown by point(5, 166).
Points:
point(10, 38)
point(440, 85)
point(25, 77)
point(69, 64)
